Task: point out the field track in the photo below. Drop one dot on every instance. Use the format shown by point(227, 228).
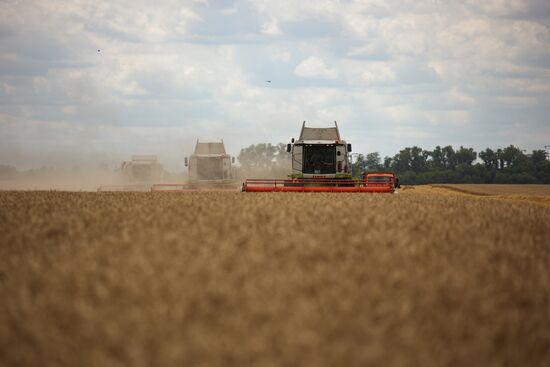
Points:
point(537, 194)
point(488, 189)
point(426, 277)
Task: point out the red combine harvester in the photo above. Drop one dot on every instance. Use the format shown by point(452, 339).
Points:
point(321, 163)
point(187, 187)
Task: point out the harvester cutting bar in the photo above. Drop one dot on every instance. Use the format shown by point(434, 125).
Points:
point(186, 187)
point(124, 188)
point(315, 185)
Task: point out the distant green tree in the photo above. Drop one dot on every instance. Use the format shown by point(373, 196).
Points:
point(372, 162)
point(402, 161)
point(465, 156)
point(437, 158)
point(489, 158)
point(511, 156)
point(358, 165)
point(387, 163)
point(539, 156)
point(259, 156)
point(369, 162)
point(449, 159)
point(265, 159)
point(417, 159)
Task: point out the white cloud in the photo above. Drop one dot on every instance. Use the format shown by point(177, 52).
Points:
point(41, 84)
point(7, 88)
point(378, 73)
point(69, 110)
point(457, 97)
point(282, 55)
point(271, 28)
point(290, 10)
point(372, 49)
point(517, 101)
point(499, 7)
point(459, 118)
point(315, 67)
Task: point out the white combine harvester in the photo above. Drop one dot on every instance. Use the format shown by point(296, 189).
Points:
point(143, 169)
point(209, 162)
point(138, 174)
point(209, 169)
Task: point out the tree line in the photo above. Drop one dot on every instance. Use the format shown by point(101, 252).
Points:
point(414, 165)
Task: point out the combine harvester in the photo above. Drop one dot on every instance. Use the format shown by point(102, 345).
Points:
point(321, 163)
point(138, 174)
point(210, 169)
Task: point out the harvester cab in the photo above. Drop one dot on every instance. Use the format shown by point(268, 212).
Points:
point(320, 153)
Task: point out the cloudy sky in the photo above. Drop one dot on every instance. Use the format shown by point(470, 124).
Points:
point(91, 81)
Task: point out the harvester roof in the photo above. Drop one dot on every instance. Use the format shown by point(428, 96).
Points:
point(209, 148)
point(319, 134)
point(148, 158)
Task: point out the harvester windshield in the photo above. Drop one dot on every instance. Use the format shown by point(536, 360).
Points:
point(319, 158)
point(141, 172)
point(210, 168)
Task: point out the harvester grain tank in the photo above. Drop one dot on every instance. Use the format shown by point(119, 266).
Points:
point(320, 163)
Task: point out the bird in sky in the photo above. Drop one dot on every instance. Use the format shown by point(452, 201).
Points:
point(268, 81)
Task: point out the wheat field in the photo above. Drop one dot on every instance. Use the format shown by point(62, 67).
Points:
point(419, 278)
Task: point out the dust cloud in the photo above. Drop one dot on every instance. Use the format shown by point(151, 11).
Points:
point(67, 175)
point(77, 178)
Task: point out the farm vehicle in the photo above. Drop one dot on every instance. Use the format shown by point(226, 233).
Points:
point(209, 169)
point(137, 174)
point(321, 162)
